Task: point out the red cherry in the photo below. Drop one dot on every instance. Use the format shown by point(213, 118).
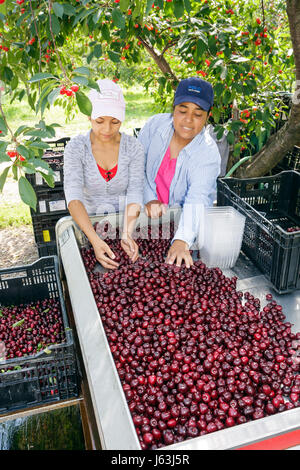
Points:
point(75, 88)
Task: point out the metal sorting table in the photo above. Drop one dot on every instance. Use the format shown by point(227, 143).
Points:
point(112, 416)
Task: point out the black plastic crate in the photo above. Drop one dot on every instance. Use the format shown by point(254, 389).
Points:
point(291, 161)
point(47, 249)
point(50, 201)
point(44, 228)
point(55, 162)
point(46, 376)
point(271, 206)
point(58, 145)
point(54, 156)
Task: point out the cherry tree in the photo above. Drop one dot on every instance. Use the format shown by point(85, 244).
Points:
point(52, 53)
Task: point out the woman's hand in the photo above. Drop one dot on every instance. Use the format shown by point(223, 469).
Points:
point(179, 252)
point(104, 254)
point(155, 209)
point(130, 247)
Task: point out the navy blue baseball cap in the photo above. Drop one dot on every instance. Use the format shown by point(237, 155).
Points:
point(195, 90)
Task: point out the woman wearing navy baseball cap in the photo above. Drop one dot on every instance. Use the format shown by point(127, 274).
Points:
point(182, 163)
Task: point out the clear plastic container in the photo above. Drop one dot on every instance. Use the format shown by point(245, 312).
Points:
point(220, 236)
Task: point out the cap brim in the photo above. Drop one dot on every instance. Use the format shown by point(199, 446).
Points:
point(193, 99)
point(102, 109)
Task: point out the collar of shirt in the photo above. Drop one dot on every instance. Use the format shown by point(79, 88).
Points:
point(166, 130)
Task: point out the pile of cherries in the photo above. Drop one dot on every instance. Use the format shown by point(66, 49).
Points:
point(153, 243)
point(293, 229)
point(27, 329)
point(194, 354)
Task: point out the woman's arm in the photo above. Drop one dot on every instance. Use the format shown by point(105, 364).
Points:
point(73, 188)
point(134, 197)
point(200, 192)
point(102, 251)
point(132, 212)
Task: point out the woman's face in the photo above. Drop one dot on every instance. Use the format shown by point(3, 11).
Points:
point(189, 119)
point(105, 128)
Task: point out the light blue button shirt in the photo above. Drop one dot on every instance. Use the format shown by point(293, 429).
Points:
point(197, 168)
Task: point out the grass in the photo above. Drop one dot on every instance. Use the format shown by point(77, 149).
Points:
point(139, 107)
point(14, 215)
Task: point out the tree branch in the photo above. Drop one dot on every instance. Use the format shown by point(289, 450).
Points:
point(161, 62)
point(54, 43)
point(6, 123)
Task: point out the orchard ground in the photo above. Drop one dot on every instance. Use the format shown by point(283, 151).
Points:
point(17, 244)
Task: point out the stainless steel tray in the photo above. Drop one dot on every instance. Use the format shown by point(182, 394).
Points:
point(112, 415)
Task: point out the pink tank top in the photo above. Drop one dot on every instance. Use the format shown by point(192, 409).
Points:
point(164, 177)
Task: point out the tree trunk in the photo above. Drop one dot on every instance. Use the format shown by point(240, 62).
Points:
point(289, 135)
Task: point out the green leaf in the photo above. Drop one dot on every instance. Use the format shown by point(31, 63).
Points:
point(201, 47)
point(82, 70)
point(39, 145)
point(124, 4)
point(23, 151)
point(188, 5)
point(43, 99)
point(3, 145)
point(97, 52)
point(40, 76)
point(53, 95)
point(227, 97)
point(14, 82)
point(18, 323)
point(21, 129)
point(58, 9)
point(230, 137)
point(4, 157)
point(6, 74)
point(148, 7)
point(93, 84)
point(118, 18)
point(47, 350)
point(48, 178)
point(28, 168)
point(105, 32)
point(219, 89)
point(114, 56)
point(178, 8)
point(220, 133)
point(212, 45)
point(96, 16)
point(69, 10)
point(27, 192)
point(14, 170)
point(80, 80)
point(3, 127)
point(84, 103)
point(83, 14)
point(236, 125)
point(50, 131)
point(3, 177)
point(55, 25)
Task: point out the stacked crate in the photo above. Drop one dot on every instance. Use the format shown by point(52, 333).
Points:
point(271, 205)
point(51, 203)
point(53, 373)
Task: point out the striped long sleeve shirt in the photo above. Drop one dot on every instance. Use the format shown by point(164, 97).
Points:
point(83, 181)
